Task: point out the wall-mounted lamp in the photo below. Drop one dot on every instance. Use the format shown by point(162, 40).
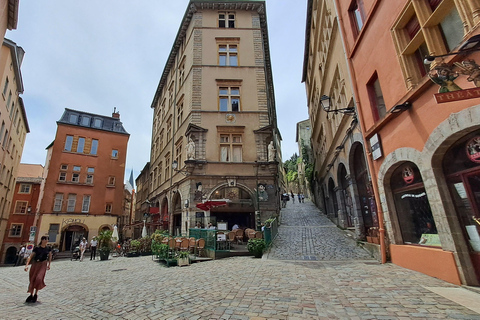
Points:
point(325, 101)
point(472, 44)
point(401, 107)
point(186, 203)
point(175, 166)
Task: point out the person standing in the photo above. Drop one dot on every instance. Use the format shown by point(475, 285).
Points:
point(21, 256)
point(41, 259)
point(93, 248)
point(82, 247)
point(293, 196)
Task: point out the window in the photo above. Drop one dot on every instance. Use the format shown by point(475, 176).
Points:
point(86, 121)
point(73, 118)
point(357, 15)
point(97, 123)
point(230, 147)
point(86, 203)
point(9, 100)
point(57, 206)
point(111, 181)
point(91, 170)
point(21, 207)
point(77, 168)
point(229, 99)
point(114, 154)
point(108, 208)
point(167, 165)
point(80, 145)
point(94, 148)
point(72, 198)
point(2, 130)
point(428, 27)
point(68, 143)
point(179, 114)
point(64, 167)
point(227, 55)
point(376, 98)
point(62, 176)
point(15, 230)
point(169, 128)
point(178, 152)
point(53, 231)
point(25, 188)
point(75, 177)
point(226, 20)
point(5, 139)
point(5, 87)
point(89, 179)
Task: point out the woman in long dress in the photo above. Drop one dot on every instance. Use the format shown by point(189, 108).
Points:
point(41, 258)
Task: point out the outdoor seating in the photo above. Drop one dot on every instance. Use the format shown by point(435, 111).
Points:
point(201, 246)
point(171, 243)
point(250, 233)
point(184, 244)
point(231, 237)
point(178, 242)
point(239, 235)
point(258, 234)
point(191, 244)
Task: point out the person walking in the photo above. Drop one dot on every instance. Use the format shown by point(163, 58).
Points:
point(293, 196)
point(41, 259)
point(299, 198)
point(93, 248)
point(82, 247)
point(21, 256)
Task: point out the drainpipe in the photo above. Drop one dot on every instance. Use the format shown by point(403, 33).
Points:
point(371, 168)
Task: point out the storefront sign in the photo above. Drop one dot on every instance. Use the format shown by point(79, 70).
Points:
point(457, 95)
point(473, 149)
point(376, 147)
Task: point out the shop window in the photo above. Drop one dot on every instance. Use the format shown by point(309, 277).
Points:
point(414, 215)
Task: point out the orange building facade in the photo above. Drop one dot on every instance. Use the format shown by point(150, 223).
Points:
point(424, 155)
point(85, 170)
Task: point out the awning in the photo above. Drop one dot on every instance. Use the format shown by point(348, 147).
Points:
point(207, 205)
point(154, 210)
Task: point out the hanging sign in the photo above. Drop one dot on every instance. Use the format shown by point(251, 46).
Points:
point(376, 147)
point(473, 149)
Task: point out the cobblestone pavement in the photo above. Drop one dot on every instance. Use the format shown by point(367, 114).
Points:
point(305, 234)
point(235, 288)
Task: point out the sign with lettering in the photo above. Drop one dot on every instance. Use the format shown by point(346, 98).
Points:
point(376, 147)
point(457, 95)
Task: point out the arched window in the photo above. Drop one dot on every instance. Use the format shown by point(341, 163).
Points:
point(414, 215)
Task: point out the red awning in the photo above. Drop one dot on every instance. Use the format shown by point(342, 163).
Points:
point(207, 205)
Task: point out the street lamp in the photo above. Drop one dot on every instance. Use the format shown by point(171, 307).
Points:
point(472, 44)
point(401, 107)
point(325, 101)
point(175, 166)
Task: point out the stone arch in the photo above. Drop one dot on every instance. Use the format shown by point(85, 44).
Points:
point(344, 196)
point(104, 227)
point(250, 192)
point(83, 225)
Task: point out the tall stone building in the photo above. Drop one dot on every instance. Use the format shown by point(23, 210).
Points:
point(341, 182)
point(215, 138)
point(84, 171)
point(13, 126)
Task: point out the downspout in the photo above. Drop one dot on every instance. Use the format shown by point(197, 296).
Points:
point(371, 169)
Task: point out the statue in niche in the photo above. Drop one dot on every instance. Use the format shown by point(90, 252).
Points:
point(190, 149)
point(262, 193)
point(271, 152)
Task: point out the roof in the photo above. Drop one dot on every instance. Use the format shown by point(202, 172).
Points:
point(17, 58)
point(26, 170)
point(91, 120)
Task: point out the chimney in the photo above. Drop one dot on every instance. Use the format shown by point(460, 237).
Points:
point(115, 114)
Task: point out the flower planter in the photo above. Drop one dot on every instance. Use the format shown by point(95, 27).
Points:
point(132, 254)
point(183, 262)
point(104, 254)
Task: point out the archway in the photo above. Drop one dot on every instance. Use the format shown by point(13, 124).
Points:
point(164, 214)
point(345, 198)
point(71, 236)
point(177, 215)
point(332, 199)
point(11, 255)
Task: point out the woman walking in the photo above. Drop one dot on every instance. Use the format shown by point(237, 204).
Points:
point(41, 258)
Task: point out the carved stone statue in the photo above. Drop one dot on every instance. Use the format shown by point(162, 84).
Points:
point(271, 152)
point(190, 149)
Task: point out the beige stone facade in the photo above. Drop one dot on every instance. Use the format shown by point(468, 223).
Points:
point(13, 126)
point(340, 172)
point(214, 115)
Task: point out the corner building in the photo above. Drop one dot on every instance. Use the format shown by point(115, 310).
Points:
point(84, 171)
point(214, 117)
point(423, 145)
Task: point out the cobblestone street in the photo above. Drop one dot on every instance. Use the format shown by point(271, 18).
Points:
point(313, 271)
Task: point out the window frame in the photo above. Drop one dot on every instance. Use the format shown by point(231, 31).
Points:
point(378, 113)
point(226, 22)
point(86, 203)
point(68, 143)
point(17, 228)
point(229, 97)
point(24, 208)
point(71, 202)
point(230, 145)
point(356, 11)
point(58, 202)
point(24, 186)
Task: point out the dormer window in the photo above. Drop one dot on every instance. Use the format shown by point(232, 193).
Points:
point(73, 118)
point(97, 123)
point(86, 121)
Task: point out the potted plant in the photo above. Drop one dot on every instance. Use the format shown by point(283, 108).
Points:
point(256, 247)
point(183, 258)
point(134, 248)
point(104, 239)
point(145, 247)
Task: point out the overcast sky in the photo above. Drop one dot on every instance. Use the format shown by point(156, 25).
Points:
point(96, 55)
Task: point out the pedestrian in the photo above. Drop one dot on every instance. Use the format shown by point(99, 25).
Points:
point(293, 196)
point(41, 258)
point(93, 248)
point(235, 227)
point(303, 198)
point(21, 256)
point(299, 198)
point(82, 247)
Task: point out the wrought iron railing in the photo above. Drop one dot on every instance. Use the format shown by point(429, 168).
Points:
point(270, 232)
